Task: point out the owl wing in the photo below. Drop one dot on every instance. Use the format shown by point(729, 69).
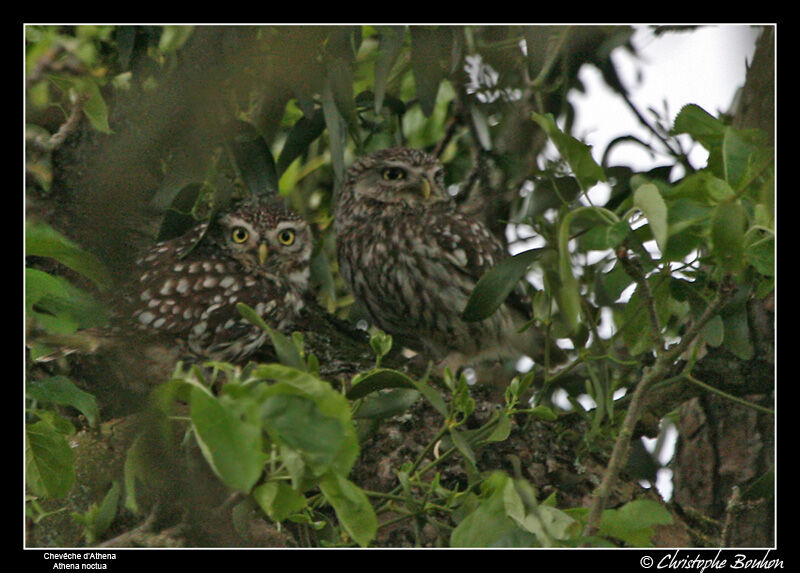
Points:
point(472, 250)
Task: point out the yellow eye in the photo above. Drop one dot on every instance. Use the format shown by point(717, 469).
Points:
point(393, 174)
point(239, 235)
point(286, 236)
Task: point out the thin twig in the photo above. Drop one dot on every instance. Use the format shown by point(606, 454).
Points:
point(660, 368)
point(56, 140)
point(635, 271)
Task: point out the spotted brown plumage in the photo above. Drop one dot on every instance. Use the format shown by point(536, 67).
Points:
point(187, 288)
point(411, 260)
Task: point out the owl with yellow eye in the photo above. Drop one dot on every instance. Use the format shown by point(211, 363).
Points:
point(187, 288)
point(412, 261)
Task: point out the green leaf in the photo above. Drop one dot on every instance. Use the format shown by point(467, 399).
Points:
point(381, 343)
point(705, 129)
point(760, 253)
point(49, 461)
point(743, 157)
point(576, 153)
point(58, 306)
point(279, 500)
point(254, 161)
point(61, 390)
point(285, 348)
point(502, 430)
point(352, 507)
point(701, 125)
point(329, 403)
point(231, 446)
point(497, 283)
point(605, 236)
point(737, 332)
point(296, 421)
point(648, 199)
point(728, 224)
point(426, 66)
point(390, 43)
point(94, 107)
point(98, 518)
point(461, 443)
point(41, 240)
point(387, 403)
point(337, 129)
point(713, 332)
point(174, 37)
point(305, 131)
point(489, 525)
point(379, 379)
point(633, 522)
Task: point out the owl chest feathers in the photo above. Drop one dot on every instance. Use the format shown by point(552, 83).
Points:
point(195, 299)
point(415, 274)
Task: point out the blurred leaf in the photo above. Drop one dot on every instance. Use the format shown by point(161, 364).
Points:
point(231, 446)
point(41, 240)
point(352, 507)
point(576, 153)
point(297, 422)
point(285, 348)
point(761, 254)
point(649, 200)
point(728, 224)
point(481, 125)
point(174, 37)
point(94, 106)
point(331, 405)
point(303, 133)
point(49, 470)
point(713, 332)
point(701, 125)
point(390, 44)
point(279, 500)
point(336, 130)
point(98, 518)
point(387, 403)
point(633, 522)
point(57, 305)
point(426, 65)
point(705, 129)
point(254, 161)
point(605, 236)
point(489, 525)
point(745, 153)
point(497, 283)
point(609, 285)
point(61, 390)
point(461, 443)
point(737, 330)
point(379, 379)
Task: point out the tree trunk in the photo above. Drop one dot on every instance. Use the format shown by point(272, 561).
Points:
point(725, 454)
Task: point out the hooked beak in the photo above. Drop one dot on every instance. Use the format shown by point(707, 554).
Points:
point(263, 251)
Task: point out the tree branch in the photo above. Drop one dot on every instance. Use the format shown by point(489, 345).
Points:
point(657, 372)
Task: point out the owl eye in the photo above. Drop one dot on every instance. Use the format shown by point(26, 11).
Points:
point(286, 236)
point(393, 173)
point(239, 235)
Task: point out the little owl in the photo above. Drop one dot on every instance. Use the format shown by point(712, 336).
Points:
point(411, 261)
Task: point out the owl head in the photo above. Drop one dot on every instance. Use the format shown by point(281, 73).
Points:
point(397, 176)
point(266, 238)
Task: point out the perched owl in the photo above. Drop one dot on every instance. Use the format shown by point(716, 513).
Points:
point(187, 288)
point(411, 261)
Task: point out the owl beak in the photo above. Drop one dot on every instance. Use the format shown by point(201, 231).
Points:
point(263, 251)
point(425, 188)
